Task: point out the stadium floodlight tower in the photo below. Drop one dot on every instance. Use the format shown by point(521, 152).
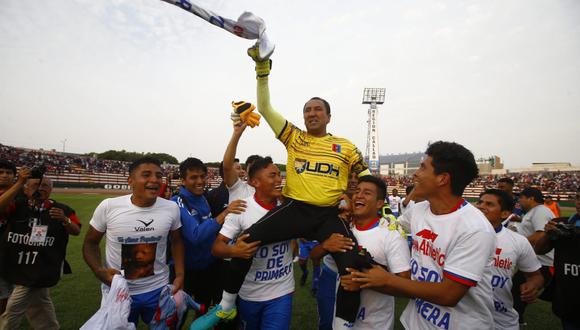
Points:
point(373, 96)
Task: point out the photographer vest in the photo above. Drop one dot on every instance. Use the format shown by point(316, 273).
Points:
point(27, 262)
point(566, 279)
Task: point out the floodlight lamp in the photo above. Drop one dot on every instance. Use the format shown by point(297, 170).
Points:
point(374, 95)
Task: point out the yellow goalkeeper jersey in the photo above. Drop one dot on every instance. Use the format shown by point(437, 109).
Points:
point(318, 167)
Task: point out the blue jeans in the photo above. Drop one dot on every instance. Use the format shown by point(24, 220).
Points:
point(326, 297)
point(144, 305)
point(271, 314)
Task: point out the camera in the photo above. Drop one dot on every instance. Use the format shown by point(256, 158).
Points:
point(37, 172)
point(564, 231)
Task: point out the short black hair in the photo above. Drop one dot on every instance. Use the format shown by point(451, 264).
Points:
point(7, 165)
point(506, 180)
point(258, 165)
point(221, 168)
point(534, 193)
point(409, 189)
point(380, 184)
point(191, 163)
point(143, 160)
point(250, 160)
point(456, 160)
point(506, 202)
point(326, 104)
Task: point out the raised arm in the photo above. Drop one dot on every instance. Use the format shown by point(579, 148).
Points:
point(230, 175)
point(8, 195)
point(274, 119)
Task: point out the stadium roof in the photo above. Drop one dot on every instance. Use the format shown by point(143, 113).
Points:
point(415, 157)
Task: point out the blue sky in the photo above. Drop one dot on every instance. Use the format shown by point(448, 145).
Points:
point(500, 77)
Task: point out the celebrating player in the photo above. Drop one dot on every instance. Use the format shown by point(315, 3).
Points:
point(388, 248)
point(128, 221)
point(317, 173)
point(453, 248)
point(513, 252)
point(265, 298)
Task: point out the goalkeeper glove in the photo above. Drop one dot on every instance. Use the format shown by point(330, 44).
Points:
point(263, 66)
point(243, 113)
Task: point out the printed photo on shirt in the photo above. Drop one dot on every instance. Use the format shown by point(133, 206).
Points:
point(138, 260)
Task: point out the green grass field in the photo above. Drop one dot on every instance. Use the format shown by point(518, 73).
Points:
point(77, 296)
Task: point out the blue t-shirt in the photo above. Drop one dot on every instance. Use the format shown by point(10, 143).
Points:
point(574, 220)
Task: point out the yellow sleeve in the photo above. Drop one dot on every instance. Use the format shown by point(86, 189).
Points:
point(357, 164)
point(273, 118)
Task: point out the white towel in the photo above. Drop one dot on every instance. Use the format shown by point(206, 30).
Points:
point(248, 25)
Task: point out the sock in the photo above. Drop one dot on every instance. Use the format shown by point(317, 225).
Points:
point(228, 300)
point(340, 323)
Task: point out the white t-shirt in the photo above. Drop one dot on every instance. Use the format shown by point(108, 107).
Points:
point(534, 221)
point(459, 246)
point(271, 275)
point(136, 239)
point(240, 190)
point(513, 252)
point(388, 248)
point(405, 208)
point(394, 202)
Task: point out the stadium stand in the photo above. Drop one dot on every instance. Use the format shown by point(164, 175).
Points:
point(77, 171)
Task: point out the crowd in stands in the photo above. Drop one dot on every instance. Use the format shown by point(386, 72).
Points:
point(59, 163)
point(550, 182)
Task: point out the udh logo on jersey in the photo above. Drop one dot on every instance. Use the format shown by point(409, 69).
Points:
point(303, 165)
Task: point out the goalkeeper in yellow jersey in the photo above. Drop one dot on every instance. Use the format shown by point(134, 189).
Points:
point(317, 172)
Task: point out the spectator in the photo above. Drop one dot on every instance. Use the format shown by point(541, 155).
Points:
point(575, 218)
point(532, 226)
point(33, 259)
point(507, 185)
point(553, 206)
point(394, 202)
point(7, 174)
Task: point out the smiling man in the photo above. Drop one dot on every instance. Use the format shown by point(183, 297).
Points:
point(512, 253)
point(452, 252)
point(141, 221)
point(265, 300)
point(200, 229)
point(387, 247)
